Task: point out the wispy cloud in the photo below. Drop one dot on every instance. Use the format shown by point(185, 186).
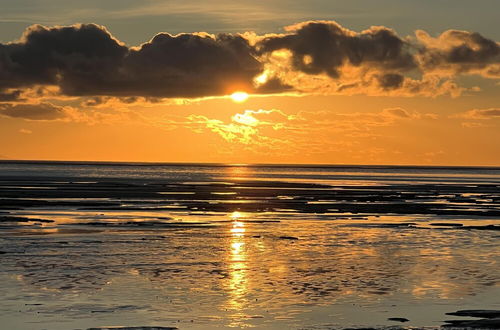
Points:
point(481, 114)
point(304, 132)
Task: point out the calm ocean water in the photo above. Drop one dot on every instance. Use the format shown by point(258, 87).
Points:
point(345, 174)
point(203, 246)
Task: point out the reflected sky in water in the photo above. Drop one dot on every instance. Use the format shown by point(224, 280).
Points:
point(270, 264)
point(240, 273)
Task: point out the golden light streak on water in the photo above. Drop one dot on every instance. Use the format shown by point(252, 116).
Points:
point(237, 266)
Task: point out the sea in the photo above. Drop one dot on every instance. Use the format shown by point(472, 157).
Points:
point(98, 245)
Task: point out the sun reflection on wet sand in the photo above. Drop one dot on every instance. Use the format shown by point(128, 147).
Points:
point(237, 269)
point(238, 172)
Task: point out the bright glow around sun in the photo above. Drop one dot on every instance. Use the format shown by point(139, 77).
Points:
point(261, 79)
point(239, 97)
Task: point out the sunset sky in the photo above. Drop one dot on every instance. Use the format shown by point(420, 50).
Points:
point(319, 81)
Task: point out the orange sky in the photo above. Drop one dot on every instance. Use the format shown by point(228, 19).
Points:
point(329, 129)
point(319, 92)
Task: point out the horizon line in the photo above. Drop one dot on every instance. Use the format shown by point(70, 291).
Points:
point(219, 164)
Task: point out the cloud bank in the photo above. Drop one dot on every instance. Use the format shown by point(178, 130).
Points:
point(310, 57)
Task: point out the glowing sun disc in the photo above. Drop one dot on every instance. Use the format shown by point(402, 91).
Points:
point(239, 97)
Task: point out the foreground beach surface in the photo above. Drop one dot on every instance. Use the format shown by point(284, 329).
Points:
point(275, 247)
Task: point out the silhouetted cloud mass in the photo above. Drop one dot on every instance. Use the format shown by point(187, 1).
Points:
point(323, 47)
point(64, 56)
point(459, 52)
point(190, 65)
point(86, 60)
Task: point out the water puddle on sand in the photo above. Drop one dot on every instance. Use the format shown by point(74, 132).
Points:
point(242, 270)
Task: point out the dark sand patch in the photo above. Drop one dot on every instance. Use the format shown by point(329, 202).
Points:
point(446, 224)
point(22, 219)
point(489, 319)
point(489, 314)
point(251, 196)
point(291, 238)
point(398, 319)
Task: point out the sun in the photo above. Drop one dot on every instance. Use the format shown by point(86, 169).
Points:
point(239, 97)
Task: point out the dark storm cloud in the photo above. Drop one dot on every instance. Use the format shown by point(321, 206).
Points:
point(60, 56)
point(390, 81)
point(87, 60)
point(190, 65)
point(42, 111)
point(324, 47)
point(460, 51)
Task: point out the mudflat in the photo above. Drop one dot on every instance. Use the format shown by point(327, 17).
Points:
point(280, 248)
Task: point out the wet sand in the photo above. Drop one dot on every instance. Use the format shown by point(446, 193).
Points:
point(92, 252)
